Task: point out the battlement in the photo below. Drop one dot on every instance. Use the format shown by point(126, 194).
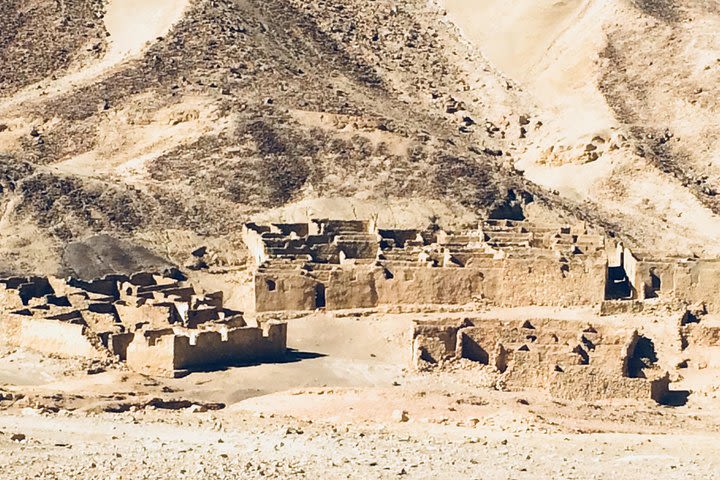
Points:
point(173, 352)
point(108, 316)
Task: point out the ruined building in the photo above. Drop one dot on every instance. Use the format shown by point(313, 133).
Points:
point(570, 359)
point(354, 264)
point(157, 324)
point(335, 265)
point(684, 279)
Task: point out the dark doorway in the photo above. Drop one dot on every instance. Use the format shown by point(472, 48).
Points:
point(642, 356)
point(655, 284)
point(473, 351)
point(618, 284)
point(320, 296)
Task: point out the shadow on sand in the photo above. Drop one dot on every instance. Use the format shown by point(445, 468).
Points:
point(292, 356)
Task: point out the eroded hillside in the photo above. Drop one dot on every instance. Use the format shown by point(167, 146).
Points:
point(627, 91)
point(219, 111)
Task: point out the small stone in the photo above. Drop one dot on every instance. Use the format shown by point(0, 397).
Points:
point(400, 416)
point(472, 422)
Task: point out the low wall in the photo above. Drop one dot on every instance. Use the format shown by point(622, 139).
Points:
point(434, 343)
point(586, 384)
point(48, 336)
point(149, 314)
point(570, 358)
point(165, 353)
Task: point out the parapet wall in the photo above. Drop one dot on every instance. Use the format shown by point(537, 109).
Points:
point(166, 353)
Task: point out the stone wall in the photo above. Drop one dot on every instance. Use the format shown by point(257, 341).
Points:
point(284, 291)
point(591, 384)
point(503, 282)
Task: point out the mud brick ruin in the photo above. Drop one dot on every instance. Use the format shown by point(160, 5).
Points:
point(572, 360)
point(336, 265)
point(160, 325)
point(689, 280)
point(354, 264)
point(156, 324)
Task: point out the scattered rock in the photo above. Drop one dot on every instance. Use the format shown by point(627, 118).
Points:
point(400, 416)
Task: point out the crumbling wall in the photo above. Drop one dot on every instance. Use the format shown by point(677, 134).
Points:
point(48, 336)
point(351, 288)
point(571, 358)
point(504, 282)
point(435, 342)
point(284, 291)
point(153, 315)
point(583, 383)
point(152, 353)
point(688, 280)
point(509, 265)
point(9, 299)
point(402, 285)
point(551, 281)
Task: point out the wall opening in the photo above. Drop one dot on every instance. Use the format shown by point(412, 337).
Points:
point(320, 296)
point(618, 284)
point(642, 356)
point(271, 285)
point(473, 351)
point(655, 284)
point(564, 270)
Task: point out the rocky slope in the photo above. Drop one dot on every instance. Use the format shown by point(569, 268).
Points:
point(627, 91)
point(297, 108)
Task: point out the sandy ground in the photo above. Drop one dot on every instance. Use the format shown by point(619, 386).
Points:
point(204, 445)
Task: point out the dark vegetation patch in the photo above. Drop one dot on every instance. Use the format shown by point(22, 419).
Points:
point(628, 97)
point(42, 37)
point(665, 10)
point(67, 205)
point(464, 180)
